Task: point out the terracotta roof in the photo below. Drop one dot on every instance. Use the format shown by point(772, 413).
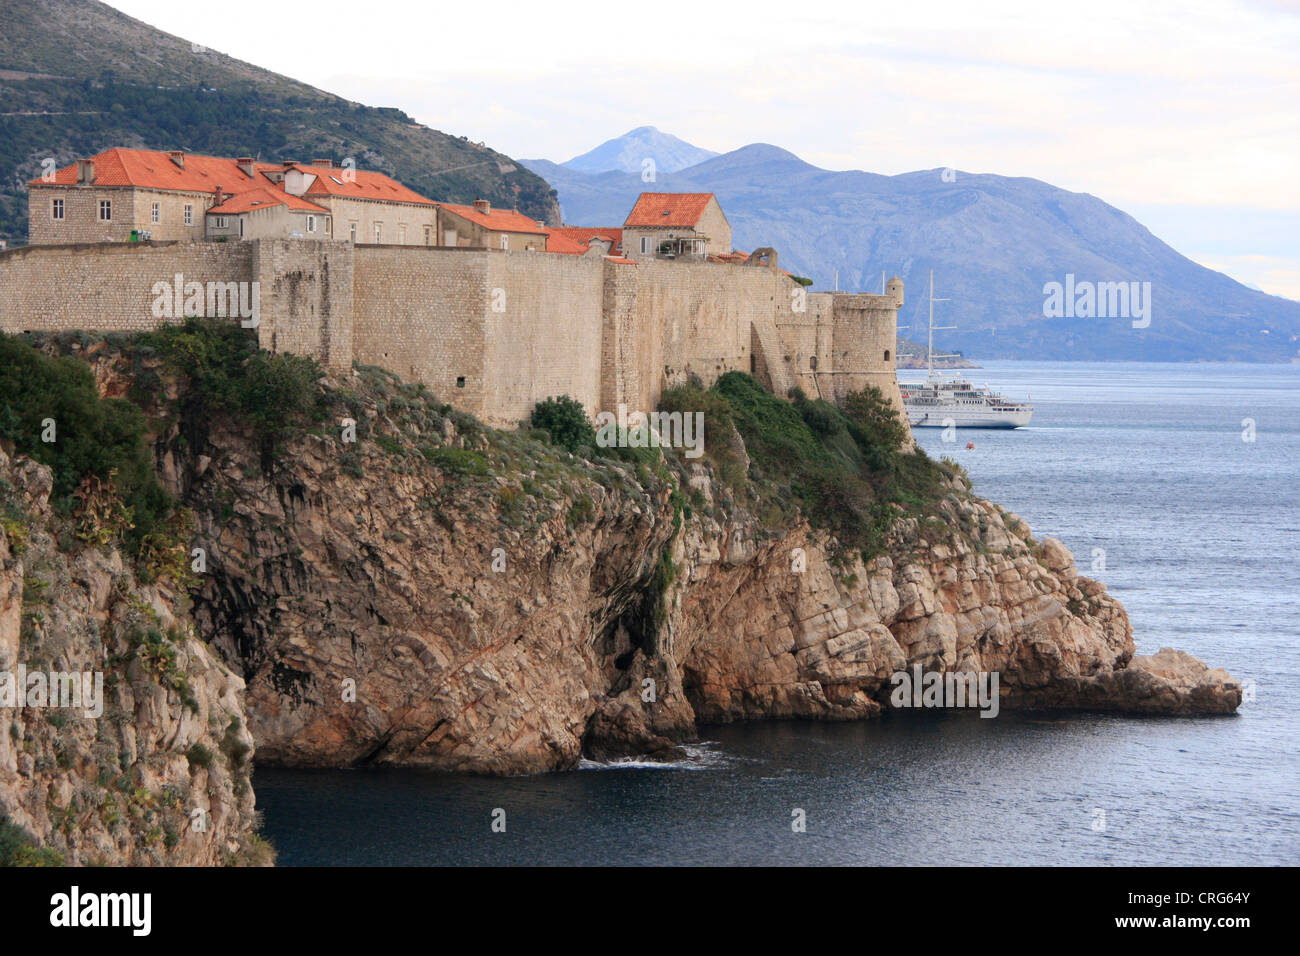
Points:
point(667, 209)
point(557, 241)
point(264, 197)
point(584, 234)
point(498, 220)
point(357, 184)
point(152, 169)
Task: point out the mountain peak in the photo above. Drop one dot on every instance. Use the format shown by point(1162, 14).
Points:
point(629, 152)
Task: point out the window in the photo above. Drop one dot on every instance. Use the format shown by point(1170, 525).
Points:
point(106, 210)
point(56, 209)
point(645, 245)
point(311, 223)
point(329, 226)
point(886, 355)
point(401, 235)
point(220, 222)
point(460, 381)
point(505, 241)
point(379, 231)
point(241, 228)
point(352, 231)
point(427, 234)
point(449, 237)
point(154, 213)
point(189, 215)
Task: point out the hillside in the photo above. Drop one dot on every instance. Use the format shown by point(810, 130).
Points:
point(77, 76)
point(992, 241)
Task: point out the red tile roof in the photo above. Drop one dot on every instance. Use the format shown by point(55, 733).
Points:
point(357, 184)
point(498, 220)
point(557, 241)
point(584, 235)
point(151, 169)
point(265, 197)
point(667, 209)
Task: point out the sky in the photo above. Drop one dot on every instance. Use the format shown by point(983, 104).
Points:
point(1184, 114)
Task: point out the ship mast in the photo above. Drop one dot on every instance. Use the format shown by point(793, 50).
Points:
point(929, 349)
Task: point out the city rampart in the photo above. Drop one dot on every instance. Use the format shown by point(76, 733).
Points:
point(490, 332)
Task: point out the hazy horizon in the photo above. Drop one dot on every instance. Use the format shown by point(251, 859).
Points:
point(1182, 116)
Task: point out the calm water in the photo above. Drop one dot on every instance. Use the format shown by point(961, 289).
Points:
point(1142, 471)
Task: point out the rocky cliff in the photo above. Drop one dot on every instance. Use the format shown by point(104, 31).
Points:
point(435, 593)
point(152, 764)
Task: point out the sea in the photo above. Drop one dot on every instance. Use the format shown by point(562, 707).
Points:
point(1177, 485)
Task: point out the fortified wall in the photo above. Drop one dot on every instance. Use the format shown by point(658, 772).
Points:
point(491, 332)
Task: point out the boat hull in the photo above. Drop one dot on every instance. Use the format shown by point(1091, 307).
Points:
point(968, 418)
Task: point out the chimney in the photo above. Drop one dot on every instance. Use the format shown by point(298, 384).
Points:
point(245, 164)
point(177, 156)
point(85, 172)
point(540, 224)
point(323, 163)
point(483, 206)
point(218, 197)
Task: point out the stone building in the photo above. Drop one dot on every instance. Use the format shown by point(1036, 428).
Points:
point(363, 205)
point(481, 226)
point(676, 226)
point(169, 196)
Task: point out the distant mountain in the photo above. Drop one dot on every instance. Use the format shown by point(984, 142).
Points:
point(993, 242)
point(629, 152)
point(77, 76)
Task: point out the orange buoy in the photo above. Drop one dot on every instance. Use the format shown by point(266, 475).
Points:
point(970, 445)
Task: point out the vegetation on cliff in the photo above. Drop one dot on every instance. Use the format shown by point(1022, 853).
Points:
point(848, 469)
point(52, 412)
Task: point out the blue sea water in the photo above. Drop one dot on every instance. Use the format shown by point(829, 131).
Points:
point(1142, 470)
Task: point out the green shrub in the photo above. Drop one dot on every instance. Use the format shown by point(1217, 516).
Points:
point(274, 395)
point(458, 461)
point(199, 756)
point(566, 422)
point(18, 848)
point(104, 439)
point(845, 466)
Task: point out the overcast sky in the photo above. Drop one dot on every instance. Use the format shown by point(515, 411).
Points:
point(1184, 114)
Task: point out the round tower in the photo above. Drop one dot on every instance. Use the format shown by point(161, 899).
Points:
point(895, 288)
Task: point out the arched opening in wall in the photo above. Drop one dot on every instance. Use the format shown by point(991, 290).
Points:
point(886, 355)
point(460, 381)
point(812, 362)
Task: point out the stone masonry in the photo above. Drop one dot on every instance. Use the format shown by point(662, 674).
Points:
point(491, 332)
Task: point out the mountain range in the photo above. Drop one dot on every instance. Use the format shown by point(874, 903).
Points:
point(995, 243)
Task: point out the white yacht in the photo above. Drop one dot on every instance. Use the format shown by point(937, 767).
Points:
point(940, 403)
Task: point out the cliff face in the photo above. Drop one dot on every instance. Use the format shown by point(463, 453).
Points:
point(152, 765)
point(511, 617)
point(442, 595)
